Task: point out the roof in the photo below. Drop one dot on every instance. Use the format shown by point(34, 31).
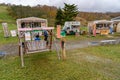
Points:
point(116, 18)
point(31, 29)
point(101, 21)
point(32, 19)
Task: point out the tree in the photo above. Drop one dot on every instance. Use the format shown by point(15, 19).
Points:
point(70, 12)
point(59, 17)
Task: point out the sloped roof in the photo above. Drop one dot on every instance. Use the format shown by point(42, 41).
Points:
point(32, 19)
point(102, 21)
point(116, 18)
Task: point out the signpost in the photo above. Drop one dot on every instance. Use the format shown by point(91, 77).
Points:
point(63, 34)
point(5, 29)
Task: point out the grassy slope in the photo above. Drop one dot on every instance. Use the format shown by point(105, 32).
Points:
point(4, 17)
point(95, 63)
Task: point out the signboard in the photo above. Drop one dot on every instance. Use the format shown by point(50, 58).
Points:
point(13, 33)
point(43, 24)
point(63, 34)
point(58, 31)
point(5, 29)
point(38, 32)
point(27, 36)
point(72, 23)
point(104, 32)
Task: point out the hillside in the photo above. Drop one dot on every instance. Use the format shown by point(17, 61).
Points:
point(84, 17)
point(89, 16)
point(48, 12)
point(5, 17)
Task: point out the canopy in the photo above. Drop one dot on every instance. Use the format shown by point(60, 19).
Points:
point(32, 19)
point(30, 29)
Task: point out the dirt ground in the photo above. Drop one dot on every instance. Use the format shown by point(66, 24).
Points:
point(12, 49)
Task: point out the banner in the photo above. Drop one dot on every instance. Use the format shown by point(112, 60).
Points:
point(27, 36)
point(13, 33)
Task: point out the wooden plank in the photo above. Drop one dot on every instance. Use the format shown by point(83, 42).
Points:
point(50, 40)
point(21, 54)
point(38, 51)
point(35, 45)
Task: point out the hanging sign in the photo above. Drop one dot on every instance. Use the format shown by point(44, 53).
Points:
point(27, 36)
point(38, 32)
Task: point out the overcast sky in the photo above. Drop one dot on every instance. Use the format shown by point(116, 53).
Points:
point(83, 5)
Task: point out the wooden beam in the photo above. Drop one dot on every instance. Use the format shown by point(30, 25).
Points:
point(50, 40)
point(21, 54)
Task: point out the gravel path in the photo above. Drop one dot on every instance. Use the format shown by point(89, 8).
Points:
point(12, 49)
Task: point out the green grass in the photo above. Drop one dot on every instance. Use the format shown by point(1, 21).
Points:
point(104, 60)
point(4, 16)
point(108, 51)
point(83, 28)
point(92, 63)
point(9, 40)
point(86, 37)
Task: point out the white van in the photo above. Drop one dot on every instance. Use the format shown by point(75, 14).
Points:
point(71, 27)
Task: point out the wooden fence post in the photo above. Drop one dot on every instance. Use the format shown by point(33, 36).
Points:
point(63, 48)
point(21, 54)
point(51, 34)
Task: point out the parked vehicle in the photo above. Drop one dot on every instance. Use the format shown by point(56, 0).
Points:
point(71, 27)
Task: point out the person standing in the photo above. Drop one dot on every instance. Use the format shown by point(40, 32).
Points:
point(46, 37)
point(37, 37)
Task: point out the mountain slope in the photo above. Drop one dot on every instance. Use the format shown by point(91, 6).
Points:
point(4, 16)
